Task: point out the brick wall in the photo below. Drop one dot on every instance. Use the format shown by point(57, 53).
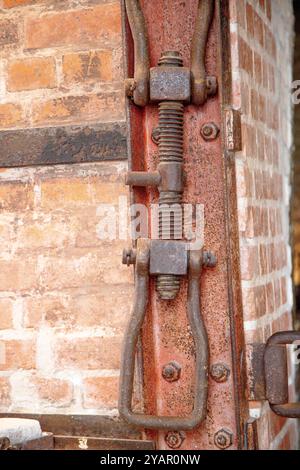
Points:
point(262, 47)
point(64, 297)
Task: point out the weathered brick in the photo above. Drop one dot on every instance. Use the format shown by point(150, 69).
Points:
point(249, 19)
point(8, 32)
point(87, 67)
point(100, 392)
point(55, 392)
point(54, 231)
point(17, 354)
point(6, 314)
point(97, 25)
point(16, 196)
point(18, 274)
point(18, 3)
point(258, 26)
point(89, 353)
point(31, 74)
point(63, 191)
point(11, 115)
point(81, 267)
point(5, 389)
point(78, 310)
point(72, 109)
point(249, 262)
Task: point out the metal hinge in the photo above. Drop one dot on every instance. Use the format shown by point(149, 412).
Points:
point(269, 373)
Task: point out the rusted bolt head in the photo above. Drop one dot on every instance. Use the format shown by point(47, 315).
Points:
point(223, 438)
point(211, 85)
point(220, 372)
point(171, 371)
point(210, 131)
point(130, 86)
point(209, 259)
point(129, 256)
point(155, 135)
point(174, 439)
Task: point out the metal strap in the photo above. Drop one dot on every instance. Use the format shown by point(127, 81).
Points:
point(131, 337)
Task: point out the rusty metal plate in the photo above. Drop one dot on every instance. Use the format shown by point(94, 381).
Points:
point(170, 83)
point(71, 144)
point(46, 442)
point(168, 257)
point(88, 443)
point(81, 425)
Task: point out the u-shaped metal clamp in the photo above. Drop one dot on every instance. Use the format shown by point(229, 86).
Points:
point(195, 263)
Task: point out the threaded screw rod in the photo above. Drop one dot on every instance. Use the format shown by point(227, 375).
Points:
point(170, 150)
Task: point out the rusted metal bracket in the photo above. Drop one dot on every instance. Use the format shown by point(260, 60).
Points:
point(202, 86)
point(146, 263)
point(197, 85)
point(269, 379)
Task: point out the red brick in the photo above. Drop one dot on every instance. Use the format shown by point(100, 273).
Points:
point(249, 262)
point(257, 68)
point(54, 392)
point(70, 109)
point(6, 314)
point(100, 392)
point(258, 26)
point(18, 274)
point(31, 74)
point(270, 297)
point(5, 390)
point(19, 3)
point(245, 56)
point(64, 192)
point(85, 67)
point(263, 255)
point(83, 27)
point(17, 354)
point(8, 32)
point(89, 353)
point(11, 115)
point(250, 19)
point(81, 309)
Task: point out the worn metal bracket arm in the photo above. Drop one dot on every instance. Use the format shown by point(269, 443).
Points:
point(142, 261)
point(270, 373)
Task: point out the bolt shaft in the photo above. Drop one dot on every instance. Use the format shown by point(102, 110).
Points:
point(170, 150)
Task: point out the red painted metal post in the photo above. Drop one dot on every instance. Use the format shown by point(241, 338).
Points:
point(166, 334)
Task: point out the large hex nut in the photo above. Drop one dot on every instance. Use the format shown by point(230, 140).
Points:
point(170, 83)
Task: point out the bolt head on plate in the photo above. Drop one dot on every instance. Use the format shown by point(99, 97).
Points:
point(210, 131)
point(174, 439)
point(171, 371)
point(223, 438)
point(219, 372)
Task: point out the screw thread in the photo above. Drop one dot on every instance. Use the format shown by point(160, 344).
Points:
point(170, 145)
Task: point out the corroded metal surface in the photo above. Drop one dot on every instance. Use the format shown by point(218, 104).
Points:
point(71, 144)
point(81, 425)
point(276, 373)
point(140, 84)
point(197, 326)
point(94, 443)
point(209, 176)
